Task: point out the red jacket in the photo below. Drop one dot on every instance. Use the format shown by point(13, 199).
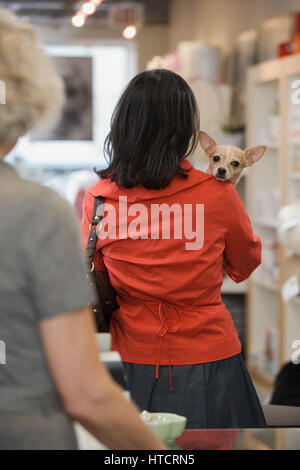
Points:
point(171, 312)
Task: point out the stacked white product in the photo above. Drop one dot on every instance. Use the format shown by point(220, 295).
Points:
point(199, 60)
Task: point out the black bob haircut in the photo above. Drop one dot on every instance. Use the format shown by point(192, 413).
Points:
point(154, 127)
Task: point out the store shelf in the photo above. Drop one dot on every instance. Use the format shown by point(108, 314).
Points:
point(265, 224)
point(296, 300)
point(261, 377)
point(269, 84)
point(294, 142)
point(271, 286)
point(230, 287)
point(273, 146)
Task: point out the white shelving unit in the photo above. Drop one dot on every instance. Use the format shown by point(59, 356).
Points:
point(272, 120)
point(230, 287)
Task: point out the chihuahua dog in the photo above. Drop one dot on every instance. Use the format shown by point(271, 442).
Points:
point(227, 162)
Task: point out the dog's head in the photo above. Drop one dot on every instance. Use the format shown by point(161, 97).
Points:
point(227, 161)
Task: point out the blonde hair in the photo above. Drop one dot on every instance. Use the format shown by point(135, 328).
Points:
point(34, 92)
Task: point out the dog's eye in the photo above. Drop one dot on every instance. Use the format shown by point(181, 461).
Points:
point(216, 158)
point(235, 164)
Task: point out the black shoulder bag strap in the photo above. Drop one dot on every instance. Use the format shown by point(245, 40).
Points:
point(96, 219)
point(106, 294)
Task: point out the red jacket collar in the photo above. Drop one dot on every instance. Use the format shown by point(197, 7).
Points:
point(110, 190)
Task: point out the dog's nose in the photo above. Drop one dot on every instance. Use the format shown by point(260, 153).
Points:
point(221, 171)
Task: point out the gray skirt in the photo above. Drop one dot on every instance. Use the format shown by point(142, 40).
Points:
point(214, 395)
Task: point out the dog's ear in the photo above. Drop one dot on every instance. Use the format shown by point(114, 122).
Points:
point(206, 142)
point(253, 154)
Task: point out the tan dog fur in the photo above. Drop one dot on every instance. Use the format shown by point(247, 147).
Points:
point(227, 162)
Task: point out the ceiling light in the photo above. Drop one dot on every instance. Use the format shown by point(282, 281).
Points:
point(130, 32)
point(89, 8)
point(78, 20)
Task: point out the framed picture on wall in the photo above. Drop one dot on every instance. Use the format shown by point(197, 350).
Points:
point(95, 77)
point(76, 122)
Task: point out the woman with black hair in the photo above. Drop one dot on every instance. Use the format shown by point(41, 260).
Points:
point(162, 239)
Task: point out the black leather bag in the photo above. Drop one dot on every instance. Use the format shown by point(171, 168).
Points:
point(99, 280)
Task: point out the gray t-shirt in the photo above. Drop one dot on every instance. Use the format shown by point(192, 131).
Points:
point(41, 275)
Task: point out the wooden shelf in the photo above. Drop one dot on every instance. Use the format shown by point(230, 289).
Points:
point(266, 224)
point(294, 143)
point(230, 287)
point(266, 284)
point(272, 145)
point(296, 300)
point(268, 83)
point(262, 378)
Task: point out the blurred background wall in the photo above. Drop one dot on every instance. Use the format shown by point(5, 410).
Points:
point(219, 22)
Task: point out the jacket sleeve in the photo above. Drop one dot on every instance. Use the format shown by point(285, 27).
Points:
point(242, 247)
point(87, 213)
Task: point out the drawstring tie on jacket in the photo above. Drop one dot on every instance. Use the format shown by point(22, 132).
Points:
point(170, 318)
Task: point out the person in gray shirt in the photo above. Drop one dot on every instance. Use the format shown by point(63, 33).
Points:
point(50, 373)
point(41, 275)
